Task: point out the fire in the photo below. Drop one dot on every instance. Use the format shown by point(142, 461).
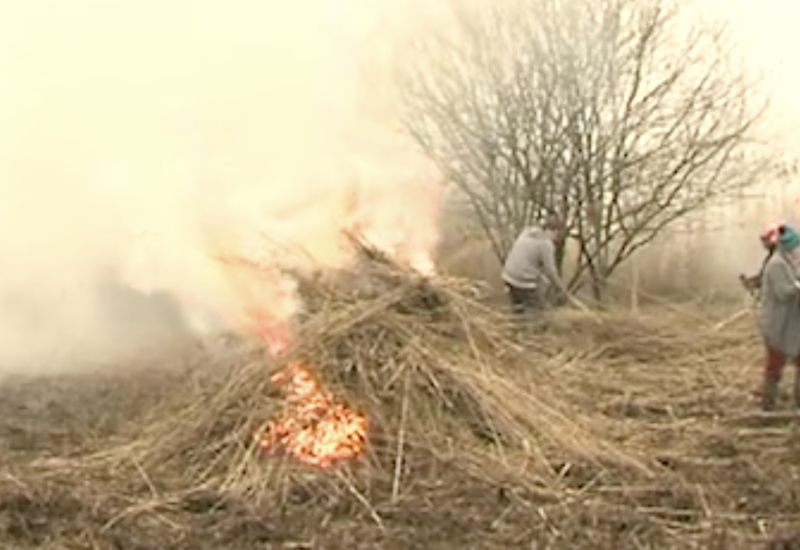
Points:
point(274, 334)
point(314, 428)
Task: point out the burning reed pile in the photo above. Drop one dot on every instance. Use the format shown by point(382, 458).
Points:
point(392, 377)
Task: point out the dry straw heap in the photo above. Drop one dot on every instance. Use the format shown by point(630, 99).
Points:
point(444, 383)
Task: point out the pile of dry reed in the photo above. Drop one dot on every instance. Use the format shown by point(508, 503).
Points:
point(444, 381)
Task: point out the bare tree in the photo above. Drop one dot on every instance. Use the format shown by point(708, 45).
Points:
point(619, 115)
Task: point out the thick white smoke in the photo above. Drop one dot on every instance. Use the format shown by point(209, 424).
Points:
point(140, 139)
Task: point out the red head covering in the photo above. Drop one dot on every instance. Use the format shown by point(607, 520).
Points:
point(769, 236)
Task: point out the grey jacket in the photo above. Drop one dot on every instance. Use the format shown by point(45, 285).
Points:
point(531, 260)
point(780, 306)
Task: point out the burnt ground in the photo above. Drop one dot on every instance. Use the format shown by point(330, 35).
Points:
point(727, 478)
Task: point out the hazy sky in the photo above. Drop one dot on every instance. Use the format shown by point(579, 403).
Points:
point(769, 32)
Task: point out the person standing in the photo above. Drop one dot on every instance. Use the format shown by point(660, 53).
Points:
point(531, 265)
point(780, 316)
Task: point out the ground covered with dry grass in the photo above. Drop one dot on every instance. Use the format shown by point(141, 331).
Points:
point(594, 431)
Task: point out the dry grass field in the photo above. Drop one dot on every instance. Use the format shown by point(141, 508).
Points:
point(606, 431)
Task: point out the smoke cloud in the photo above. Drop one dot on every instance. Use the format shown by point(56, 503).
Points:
point(143, 144)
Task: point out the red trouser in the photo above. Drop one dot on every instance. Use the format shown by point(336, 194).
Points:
point(775, 362)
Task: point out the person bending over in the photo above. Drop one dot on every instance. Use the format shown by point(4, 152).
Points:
point(531, 265)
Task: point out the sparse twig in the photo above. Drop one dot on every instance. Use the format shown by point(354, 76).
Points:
point(362, 499)
point(401, 436)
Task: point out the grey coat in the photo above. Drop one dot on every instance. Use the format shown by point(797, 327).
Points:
point(780, 306)
point(531, 260)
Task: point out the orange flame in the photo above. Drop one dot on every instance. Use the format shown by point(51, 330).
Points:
point(314, 428)
point(275, 334)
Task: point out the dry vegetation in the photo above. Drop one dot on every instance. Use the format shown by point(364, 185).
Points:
point(591, 432)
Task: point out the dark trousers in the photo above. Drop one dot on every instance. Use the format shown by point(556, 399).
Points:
point(525, 299)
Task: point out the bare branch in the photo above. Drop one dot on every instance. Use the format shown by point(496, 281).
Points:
point(616, 114)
